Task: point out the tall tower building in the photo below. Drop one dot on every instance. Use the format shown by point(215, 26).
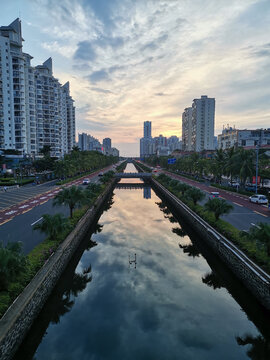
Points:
point(203, 124)
point(187, 129)
point(147, 129)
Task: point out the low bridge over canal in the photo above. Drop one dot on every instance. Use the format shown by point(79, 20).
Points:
point(140, 175)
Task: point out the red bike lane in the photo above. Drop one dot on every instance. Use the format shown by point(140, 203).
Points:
point(235, 198)
point(27, 205)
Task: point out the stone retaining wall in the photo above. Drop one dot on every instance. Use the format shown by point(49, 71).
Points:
point(19, 317)
point(251, 275)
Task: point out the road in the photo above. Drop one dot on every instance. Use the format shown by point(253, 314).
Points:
point(16, 221)
point(244, 214)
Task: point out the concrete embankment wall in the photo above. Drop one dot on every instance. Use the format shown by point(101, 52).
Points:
point(18, 319)
point(253, 277)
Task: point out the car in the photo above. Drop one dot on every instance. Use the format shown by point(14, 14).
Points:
point(100, 174)
point(214, 194)
point(258, 199)
point(86, 181)
point(234, 184)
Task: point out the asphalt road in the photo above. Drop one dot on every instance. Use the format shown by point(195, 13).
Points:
point(16, 221)
point(244, 214)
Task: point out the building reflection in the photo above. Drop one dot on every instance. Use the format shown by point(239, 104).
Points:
point(147, 192)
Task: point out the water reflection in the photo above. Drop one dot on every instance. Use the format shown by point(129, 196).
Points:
point(258, 347)
point(165, 309)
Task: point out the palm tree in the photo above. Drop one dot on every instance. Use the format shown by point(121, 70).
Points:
point(245, 162)
point(231, 165)
point(218, 165)
point(195, 195)
point(72, 197)
point(261, 233)
point(12, 262)
point(52, 225)
point(218, 207)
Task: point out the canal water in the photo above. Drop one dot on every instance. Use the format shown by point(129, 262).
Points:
point(145, 287)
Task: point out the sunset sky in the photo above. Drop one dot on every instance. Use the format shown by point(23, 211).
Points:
point(129, 61)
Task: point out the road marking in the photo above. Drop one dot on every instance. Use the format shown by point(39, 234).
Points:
point(37, 221)
point(34, 202)
point(43, 202)
point(43, 197)
point(26, 211)
point(11, 212)
point(22, 207)
point(260, 213)
point(2, 223)
point(237, 204)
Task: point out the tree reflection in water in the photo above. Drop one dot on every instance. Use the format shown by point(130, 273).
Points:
point(189, 249)
point(259, 346)
point(259, 349)
point(213, 281)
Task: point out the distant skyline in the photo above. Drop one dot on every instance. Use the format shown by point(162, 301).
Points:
point(130, 61)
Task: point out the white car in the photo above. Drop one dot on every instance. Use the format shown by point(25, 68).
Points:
point(258, 199)
point(214, 194)
point(86, 181)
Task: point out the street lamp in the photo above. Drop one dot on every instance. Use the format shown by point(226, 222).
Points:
point(257, 164)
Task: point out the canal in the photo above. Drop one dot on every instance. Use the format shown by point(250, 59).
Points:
point(143, 286)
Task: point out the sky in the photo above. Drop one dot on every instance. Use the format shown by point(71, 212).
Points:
point(130, 61)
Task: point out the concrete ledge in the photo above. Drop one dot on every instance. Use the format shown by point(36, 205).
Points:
point(19, 317)
point(249, 273)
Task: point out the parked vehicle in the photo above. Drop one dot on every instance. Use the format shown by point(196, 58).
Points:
point(214, 194)
point(250, 187)
point(258, 199)
point(100, 174)
point(86, 181)
point(234, 184)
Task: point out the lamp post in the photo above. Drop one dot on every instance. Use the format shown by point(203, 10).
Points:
point(257, 163)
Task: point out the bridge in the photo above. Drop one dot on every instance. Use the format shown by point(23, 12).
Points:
point(140, 175)
point(131, 186)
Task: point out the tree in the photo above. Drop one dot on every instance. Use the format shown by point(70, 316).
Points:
point(218, 207)
point(261, 233)
point(52, 225)
point(12, 262)
point(72, 197)
point(195, 195)
point(46, 150)
point(245, 162)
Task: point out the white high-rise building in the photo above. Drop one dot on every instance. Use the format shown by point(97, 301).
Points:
point(35, 110)
point(187, 129)
point(203, 124)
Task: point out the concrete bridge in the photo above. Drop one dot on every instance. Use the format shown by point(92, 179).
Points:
point(131, 186)
point(140, 175)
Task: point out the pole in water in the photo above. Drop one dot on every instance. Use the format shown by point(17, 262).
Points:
point(133, 261)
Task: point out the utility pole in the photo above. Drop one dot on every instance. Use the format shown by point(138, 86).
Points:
point(257, 160)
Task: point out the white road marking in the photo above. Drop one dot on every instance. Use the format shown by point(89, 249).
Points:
point(36, 221)
point(22, 207)
point(260, 213)
point(11, 212)
point(237, 204)
point(33, 202)
point(43, 197)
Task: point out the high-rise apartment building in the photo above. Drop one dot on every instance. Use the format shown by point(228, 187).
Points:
point(147, 129)
point(35, 109)
point(203, 124)
point(187, 129)
point(107, 143)
point(146, 143)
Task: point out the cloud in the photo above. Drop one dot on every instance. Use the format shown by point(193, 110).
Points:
point(104, 91)
point(97, 76)
point(155, 44)
point(85, 51)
